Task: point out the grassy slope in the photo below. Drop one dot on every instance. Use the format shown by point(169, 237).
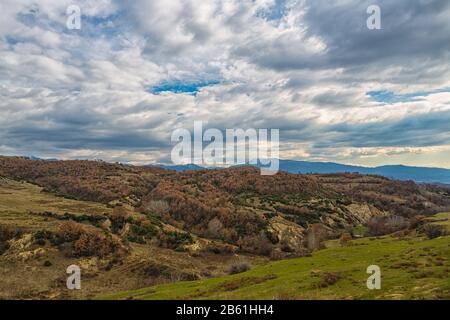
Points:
point(20, 202)
point(442, 219)
point(411, 269)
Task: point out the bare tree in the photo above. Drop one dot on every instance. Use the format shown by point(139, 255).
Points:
point(157, 207)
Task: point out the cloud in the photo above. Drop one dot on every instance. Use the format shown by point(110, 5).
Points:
point(137, 70)
point(390, 97)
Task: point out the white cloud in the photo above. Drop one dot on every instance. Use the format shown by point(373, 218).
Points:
point(304, 68)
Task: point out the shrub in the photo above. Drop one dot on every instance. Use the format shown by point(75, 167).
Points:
point(142, 231)
point(359, 231)
point(173, 240)
point(239, 268)
point(7, 233)
point(94, 244)
point(156, 207)
point(86, 241)
point(264, 245)
point(118, 218)
point(315, 236)
point(94, 219)
point(215, 228)
point(214, 249)
point(416, 221)
point(85, 245)
point(258, 244)
point(47, 263)
point(345, 239)
point(180, 249)
point(277, 254)
point(379, 226)
point(70, 231)
point(434, 231)
point(328, 279)
point(41, 237)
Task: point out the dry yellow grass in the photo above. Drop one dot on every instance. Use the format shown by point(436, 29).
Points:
point(24, 274)
point(21, 203)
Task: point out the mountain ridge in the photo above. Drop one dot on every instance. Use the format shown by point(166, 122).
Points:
point(431, 175)
point(398, 172)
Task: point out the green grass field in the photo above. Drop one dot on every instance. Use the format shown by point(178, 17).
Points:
point(442, 219)
point(413, 268)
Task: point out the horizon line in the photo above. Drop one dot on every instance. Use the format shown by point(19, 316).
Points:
point(32, 157)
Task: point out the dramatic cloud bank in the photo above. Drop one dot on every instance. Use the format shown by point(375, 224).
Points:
point(138, 69)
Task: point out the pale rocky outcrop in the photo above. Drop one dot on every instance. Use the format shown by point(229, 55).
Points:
point(288, 233)
point(363, 212)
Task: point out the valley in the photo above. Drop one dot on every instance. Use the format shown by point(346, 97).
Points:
point(411, 268)
point(151, 233)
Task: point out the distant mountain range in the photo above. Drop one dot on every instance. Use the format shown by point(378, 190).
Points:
point(180, 168)
point(399, 172)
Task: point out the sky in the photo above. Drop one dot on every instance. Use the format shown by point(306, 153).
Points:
point(137, 70)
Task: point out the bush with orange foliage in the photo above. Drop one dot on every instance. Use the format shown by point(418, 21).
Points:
point(87, 241)
point(94, 244)
point(345, 239)
point(70, 231)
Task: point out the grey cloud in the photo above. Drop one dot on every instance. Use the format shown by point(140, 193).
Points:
point(415, 131)
point(62, 91)
point(410, 29)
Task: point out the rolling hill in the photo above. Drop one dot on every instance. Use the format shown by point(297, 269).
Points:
point(411, 268)
point(130, 227)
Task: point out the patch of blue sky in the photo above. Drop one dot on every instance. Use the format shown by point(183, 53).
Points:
point(385, 96)
point(33, 18)
point(182, 87)
point(275, 12)
point(11, 40)
point(106, 25)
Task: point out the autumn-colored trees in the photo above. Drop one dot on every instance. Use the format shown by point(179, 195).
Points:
point(402, 198)
point(84, 180)
point(235, 205)
point(87, 241)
